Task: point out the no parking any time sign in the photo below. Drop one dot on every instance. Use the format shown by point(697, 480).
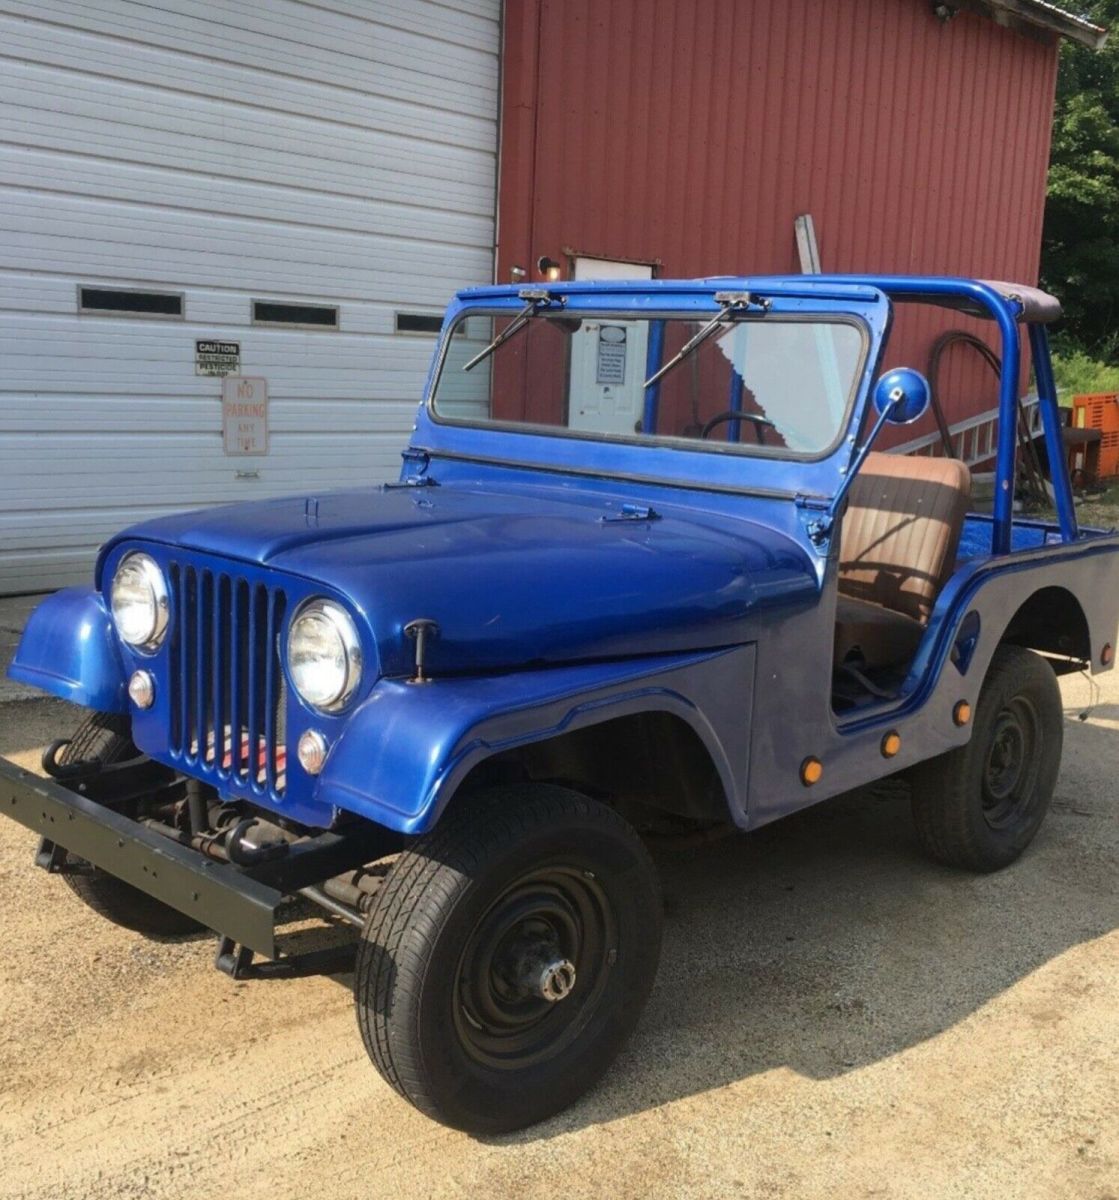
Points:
point(244, 414)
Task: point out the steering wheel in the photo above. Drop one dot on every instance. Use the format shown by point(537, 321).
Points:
point(760, 423)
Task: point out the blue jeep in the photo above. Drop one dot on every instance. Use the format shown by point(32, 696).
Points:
point(642, 569)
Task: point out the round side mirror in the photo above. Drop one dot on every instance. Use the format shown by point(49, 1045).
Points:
point(902, 396)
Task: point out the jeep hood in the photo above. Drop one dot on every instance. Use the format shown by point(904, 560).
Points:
point(514, 577)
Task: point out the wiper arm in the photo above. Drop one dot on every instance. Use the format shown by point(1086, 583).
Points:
point(535, 299)
point(732, 303)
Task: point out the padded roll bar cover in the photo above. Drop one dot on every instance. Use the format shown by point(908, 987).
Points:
point(1038, 307)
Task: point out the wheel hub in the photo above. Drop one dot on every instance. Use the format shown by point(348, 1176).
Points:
point(1012, 764)
point(550, 977)
point(534, 966)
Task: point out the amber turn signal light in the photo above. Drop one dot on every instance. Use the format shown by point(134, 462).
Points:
point(811, 771)
point(1107, 655)
point(891, 744)
point(961, 714)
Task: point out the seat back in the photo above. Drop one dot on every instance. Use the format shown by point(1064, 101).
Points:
point(901, 530)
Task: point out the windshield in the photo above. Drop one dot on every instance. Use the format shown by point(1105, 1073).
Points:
point(763, 385)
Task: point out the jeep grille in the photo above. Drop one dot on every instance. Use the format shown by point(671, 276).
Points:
point(227, 682)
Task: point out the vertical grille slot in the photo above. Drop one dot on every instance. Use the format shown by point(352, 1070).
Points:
point(227, 683)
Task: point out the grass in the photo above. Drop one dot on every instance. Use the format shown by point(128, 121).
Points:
point(1100, 511)
point(1078, 373)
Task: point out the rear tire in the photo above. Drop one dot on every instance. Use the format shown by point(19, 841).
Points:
point(104, 738)
point(979, 806)
point(508, 957)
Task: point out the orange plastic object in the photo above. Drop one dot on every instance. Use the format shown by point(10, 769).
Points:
point(1101, 411)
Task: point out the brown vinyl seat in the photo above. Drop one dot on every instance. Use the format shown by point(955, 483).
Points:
point(897, 549)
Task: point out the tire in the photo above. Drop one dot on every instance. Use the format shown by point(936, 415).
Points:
point(979, 806)
point(105, 738)
point(508, 957)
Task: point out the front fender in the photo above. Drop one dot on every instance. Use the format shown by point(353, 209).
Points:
point(69, 649)
point(407, 748)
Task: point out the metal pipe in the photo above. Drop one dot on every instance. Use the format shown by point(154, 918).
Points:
point(347, 893)
point(1054, 440)
point(654, 352)
point(319, 897)
point(197, 806)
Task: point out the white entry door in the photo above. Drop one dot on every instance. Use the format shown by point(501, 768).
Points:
point(608, 360)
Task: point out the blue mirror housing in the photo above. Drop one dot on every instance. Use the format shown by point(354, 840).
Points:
point(902, 396)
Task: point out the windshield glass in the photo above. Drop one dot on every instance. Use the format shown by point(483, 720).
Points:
point(762, 385)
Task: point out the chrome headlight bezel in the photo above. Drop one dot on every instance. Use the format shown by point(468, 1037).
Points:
point(148, 577)
point(338, 622)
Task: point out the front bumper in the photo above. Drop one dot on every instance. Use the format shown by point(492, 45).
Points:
point(216, 894)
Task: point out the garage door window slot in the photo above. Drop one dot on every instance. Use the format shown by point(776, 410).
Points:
point(303, 316)
point(130, 302)
point(411, 322)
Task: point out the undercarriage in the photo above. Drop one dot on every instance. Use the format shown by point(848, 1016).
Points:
point(231, 867)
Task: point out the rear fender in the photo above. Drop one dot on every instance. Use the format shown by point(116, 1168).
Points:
point(69, 649)
point(408, 747)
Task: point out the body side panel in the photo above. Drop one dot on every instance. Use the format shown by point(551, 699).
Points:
point(794, 658)
point(409, 746)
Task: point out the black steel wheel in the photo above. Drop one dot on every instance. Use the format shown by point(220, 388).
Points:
point(980, 806)
point(105, 738)
point(508, 957)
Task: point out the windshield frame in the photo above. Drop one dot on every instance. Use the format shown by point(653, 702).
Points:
point(659, 441)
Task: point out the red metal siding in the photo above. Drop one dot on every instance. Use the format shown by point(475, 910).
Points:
point(694, 131)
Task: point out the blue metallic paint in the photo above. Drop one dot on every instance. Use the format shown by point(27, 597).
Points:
point(69, 649)
point(717, 607)
point(514, 573)
point(914, 396)
point(409, 746)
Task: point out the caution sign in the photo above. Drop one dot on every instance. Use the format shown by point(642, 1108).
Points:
point(216, 358)
point(244, 415)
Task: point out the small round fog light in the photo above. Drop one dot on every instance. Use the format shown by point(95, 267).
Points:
point(141, 689)
point(961, 714)
point(312, 751)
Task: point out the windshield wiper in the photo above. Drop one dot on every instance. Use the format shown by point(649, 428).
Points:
point(732, 303)
point(535, 298)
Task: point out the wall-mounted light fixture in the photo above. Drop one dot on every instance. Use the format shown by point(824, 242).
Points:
point(549, 268)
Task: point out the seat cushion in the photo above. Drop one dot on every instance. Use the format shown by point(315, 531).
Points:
point(901, 531)
point(873, 635)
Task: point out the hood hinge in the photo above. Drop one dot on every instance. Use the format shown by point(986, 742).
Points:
point(633, 512)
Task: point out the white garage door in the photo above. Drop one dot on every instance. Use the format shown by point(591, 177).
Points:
point(309, 181)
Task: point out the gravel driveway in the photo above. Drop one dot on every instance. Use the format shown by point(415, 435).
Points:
point(834, 1017)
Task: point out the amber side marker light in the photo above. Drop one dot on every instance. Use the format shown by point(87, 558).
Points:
point(961, 714)
point(1107, 655)
point(811, 771)
point(891, 744)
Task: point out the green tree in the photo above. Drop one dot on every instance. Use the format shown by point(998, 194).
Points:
point(1080, 248)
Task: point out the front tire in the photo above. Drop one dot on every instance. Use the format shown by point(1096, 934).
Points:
point(979, 806)
point(105, 738)
point(508, 957)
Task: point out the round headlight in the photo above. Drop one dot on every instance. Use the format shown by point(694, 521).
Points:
point(139, 602)
point(324, 654)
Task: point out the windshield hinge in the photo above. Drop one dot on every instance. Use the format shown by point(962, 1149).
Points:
point(817, 518)
point(414, 472)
